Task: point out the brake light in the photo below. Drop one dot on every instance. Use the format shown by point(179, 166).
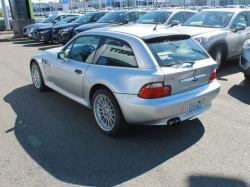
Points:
point(212, 76)
point(154, 90)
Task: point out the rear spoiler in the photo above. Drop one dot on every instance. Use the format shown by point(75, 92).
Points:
point(171, 37)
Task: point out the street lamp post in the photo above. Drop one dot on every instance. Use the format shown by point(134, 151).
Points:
point(7, 24)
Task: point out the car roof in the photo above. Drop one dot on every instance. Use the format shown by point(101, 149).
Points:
point(225, 10)
point(135, 30)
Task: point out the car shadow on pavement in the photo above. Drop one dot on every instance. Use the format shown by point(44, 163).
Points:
point(62, 137)
point(210, 181)
point(241, 91)
point(231, 67)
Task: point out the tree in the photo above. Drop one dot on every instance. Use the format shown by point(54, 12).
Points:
point(1, 12)
point(114, 4)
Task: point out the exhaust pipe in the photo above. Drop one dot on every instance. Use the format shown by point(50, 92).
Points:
point(174, 121)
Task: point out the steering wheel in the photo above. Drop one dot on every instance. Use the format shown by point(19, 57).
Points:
point(88, 48)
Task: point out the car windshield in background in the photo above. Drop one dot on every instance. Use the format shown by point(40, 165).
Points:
point(85, 19)
point(66, 20)
point(112, 17)
point(210, 19)
point(176, 49)
point(155, 17)
point(49, 19)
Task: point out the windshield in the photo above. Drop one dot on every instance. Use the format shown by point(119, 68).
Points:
point(66, 20)
point(112, 17)
point(210, 19)
point(49, 19)
point(175, 49)
point(85, 19)
point(155, 17)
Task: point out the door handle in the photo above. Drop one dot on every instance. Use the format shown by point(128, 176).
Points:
point(77, 71)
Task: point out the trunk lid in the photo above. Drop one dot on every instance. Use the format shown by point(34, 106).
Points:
point(186, 76)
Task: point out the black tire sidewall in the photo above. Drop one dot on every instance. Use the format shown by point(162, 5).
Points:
point(214, 52)
point(119, 120)
point(42, 86)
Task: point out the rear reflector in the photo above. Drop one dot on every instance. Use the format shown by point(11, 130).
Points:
point(212, 76)
point(154, 90)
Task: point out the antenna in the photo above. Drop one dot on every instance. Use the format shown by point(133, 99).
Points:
point(154, 29)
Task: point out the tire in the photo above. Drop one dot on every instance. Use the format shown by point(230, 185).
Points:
point(54, 41)
point(217, 55)
point(247, 77)
point(111, 122)
point(37, 77)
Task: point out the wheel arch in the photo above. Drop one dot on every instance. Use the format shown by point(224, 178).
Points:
point(94, 88)
point(223, 44)
point(33, 60)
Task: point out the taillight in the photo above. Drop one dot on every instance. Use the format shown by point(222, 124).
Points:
point(154, 90)
point(212, 76)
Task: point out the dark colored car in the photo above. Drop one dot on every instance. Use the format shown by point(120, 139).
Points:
point(2, 25)
point(113, 19)
point(44, 34)
point(64, 33)
point(28, 30)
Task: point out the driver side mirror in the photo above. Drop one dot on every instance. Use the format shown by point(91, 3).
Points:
point(239, 27)
point(55, 21)
point(124, 21)
point(174, 23)
point(61, 56)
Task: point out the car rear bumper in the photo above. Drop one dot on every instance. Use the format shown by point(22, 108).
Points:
point(244, 65)
point(158, 111)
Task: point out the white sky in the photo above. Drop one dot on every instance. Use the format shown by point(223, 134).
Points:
point(33, 1)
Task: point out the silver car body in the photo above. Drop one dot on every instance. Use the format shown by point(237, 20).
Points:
point(245, 60)
point(232, 41)
point(125, 83)
point(173, 15)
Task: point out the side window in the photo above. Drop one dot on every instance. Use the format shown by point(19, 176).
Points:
point(116, 53)
point(188, 15)
point(130, 17)
point(140, 14)
point(84, 48)
point(68, 48)
point(97, 17)
point(241, 18)
point(177, 17)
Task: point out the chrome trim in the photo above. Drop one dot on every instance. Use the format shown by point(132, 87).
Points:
point(194, 78)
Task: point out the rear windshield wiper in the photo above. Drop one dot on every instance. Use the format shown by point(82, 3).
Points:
point(179, 62)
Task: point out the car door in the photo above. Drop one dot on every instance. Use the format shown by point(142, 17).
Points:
point(69, 73)
point(237, 38)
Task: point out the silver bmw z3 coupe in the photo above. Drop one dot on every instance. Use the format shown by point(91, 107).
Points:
point(130, 75)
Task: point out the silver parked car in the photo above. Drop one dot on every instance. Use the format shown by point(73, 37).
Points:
point(166, 17)
point(245, 60)
point(222, 32)
point(154, 77)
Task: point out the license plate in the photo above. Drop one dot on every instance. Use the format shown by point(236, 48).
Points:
point(194, 107)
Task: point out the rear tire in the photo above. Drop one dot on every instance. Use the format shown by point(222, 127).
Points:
point(107, 113)
point(217, 55)
point(37, 77)
point(247, 77)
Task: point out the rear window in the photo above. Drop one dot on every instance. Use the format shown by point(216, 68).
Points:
point(174, 49)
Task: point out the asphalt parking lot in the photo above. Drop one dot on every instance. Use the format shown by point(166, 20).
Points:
point(49, 140)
